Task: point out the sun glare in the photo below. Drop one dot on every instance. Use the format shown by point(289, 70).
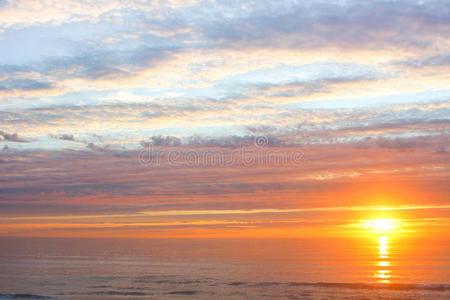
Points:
point(381, 225)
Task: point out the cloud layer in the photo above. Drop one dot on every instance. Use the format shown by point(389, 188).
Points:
point(114, 109)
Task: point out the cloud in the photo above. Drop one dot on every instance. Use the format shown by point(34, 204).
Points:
point(23, 13)
point(230, 141)
point(398, 143)
point(161, 141)
point(281, 24)
point(134, 124)
point(324, 169)
point(89, 145)
point(106, 65)
point(64, 137)
point(24, 85)
point(95, 147)
point(353, 24)
point(92, 67)
point(444, 148)
point(313, 25)
point(234, 141)
point(439, 60)
point(17, 81)
point(12, 137)
point(305, 88)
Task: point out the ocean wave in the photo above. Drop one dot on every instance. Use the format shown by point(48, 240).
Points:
point(118, 293)
point(154, 279)
point(182, 292)
point(25, 296)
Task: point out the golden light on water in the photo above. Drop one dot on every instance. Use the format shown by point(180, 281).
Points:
point(384, 263)
point(383, 246)
point(383, 229)
point(383, 275)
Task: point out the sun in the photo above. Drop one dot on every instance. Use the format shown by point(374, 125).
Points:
point(381, 225)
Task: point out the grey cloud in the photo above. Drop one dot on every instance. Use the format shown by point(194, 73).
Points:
point(162, 141)
point(401, 125)
point(15, 84)
point(444, 149)
point(343, 125)
point(313, 24)
point(51, 175)
point(95, 147)
point(94, 64)
point(64, 137)
point(13, 79)
point(440, 60)
point(230, 141)
point(138, 112)
point(8, 69)
point(311, 87)
point(295, 125)
point(90, 145)
point(12, 137)
point(432, 144)
point(398, 143)
point(102, 64)
point(234, 141)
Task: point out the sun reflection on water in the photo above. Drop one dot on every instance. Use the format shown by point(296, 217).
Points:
point(384, 230)
point(384, 274)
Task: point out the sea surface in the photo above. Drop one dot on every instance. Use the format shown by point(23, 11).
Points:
point(345, 268)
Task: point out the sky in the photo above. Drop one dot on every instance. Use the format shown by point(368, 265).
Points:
point(223, 118)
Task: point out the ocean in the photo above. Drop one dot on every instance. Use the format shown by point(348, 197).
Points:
point(306, 268)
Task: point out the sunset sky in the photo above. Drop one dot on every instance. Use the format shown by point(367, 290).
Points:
point(223, 118)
